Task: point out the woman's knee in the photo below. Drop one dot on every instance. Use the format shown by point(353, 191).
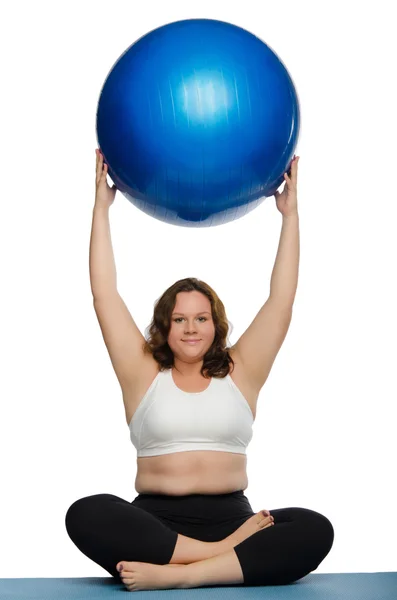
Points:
point(319, 533)
point(310, 530)
point(85, 511)
point(109, 529)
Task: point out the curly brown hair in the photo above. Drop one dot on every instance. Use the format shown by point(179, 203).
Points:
point(217, 360)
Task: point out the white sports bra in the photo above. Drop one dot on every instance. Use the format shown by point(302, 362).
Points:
point(170, 420)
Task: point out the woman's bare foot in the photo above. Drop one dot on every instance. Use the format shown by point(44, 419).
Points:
point(255, 523)
point(145, 576)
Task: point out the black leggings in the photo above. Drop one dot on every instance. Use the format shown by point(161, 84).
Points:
point(108, 529)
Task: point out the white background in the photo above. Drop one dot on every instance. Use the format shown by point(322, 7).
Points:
point(324, 437)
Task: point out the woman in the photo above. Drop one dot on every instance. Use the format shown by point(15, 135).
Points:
point(190, 403)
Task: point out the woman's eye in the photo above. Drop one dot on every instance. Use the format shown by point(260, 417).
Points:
point(179, 318)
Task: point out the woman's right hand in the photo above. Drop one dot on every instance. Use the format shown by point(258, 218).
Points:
point(105, 194)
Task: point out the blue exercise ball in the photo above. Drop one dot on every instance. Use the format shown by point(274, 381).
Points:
point(198, 121)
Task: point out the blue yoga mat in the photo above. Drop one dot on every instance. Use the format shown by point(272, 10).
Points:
point(324, 586)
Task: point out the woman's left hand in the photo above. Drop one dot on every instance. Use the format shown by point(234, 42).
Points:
point(287, 201)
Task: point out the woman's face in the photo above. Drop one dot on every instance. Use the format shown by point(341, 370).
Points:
point(191, 319)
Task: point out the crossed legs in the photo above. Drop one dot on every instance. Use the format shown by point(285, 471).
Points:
point(292, 549)
point(209, 563)
point(110, 530)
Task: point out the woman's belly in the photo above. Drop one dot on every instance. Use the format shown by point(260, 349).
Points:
point(183, 473)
